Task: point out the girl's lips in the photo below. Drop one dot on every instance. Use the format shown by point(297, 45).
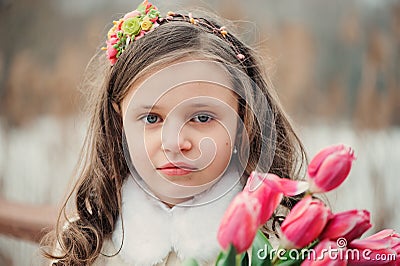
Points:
point(176, 169)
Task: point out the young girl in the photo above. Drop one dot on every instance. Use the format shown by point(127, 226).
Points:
point(184, 115)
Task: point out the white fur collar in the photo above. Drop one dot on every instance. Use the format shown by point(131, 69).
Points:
point(152, 230)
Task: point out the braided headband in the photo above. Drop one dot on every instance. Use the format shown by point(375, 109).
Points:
point(137, 23)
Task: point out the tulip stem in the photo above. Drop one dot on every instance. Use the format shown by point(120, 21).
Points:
point(274, 259)
point(238, 259)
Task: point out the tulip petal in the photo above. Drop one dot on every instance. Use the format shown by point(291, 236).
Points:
point(256, 179)
point(268, 193)
point(304, 223)
point(239, 223)
point(382, 240)
point(293, 187)
point(299, 209)
point(320, 157)
point(337, 230)
point(333, 171)
point(330, 168)
point(382, 234)
point(348, 224)
point(321, 257)
point(268, 208)
point(287, 186)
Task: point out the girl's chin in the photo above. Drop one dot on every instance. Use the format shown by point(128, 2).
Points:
point(177, 190)
point(189, 181)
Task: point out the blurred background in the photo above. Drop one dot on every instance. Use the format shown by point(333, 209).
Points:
point(335, 65)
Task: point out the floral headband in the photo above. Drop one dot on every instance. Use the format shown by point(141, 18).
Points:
point(137, 23)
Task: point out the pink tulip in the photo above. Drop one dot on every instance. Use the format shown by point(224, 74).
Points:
point(387, 238)
point(287, 186)
point(329, 168)
point(384, 244)
point(240, 223)
point(304, 223)
point(268, 194)
point(349, 225)
point(326, 253)
point(269, 190)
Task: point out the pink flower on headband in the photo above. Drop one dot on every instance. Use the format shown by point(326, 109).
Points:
point(132, 14)
point(111, 51)
point(131, 27)
point(141, 34)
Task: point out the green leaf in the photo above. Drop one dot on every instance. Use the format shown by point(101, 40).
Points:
point(227, 258)
point(313, 244)
point(288, 260)
point(261, 250)
point(245, 259)
point(290, 263)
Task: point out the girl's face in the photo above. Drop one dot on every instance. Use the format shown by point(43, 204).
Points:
point(180, 137)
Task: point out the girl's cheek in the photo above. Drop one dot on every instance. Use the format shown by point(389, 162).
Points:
point(152, 138)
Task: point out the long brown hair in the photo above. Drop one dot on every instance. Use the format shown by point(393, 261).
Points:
point(102, 167)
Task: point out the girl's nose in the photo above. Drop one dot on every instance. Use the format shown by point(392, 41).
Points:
point(173, 137)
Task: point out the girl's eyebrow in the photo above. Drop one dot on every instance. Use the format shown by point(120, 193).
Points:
point(207, 104)
point(203, 105)
point(212, 105)
point(155, 107)
point(147, 107)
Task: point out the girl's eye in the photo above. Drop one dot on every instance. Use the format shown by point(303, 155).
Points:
point(150, 119)
point(203, 118)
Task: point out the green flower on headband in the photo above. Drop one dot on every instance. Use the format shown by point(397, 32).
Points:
point(153, 13)
point(131, 26)
point(141, 8)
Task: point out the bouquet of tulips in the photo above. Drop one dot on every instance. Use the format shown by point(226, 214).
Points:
point(310, 234)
